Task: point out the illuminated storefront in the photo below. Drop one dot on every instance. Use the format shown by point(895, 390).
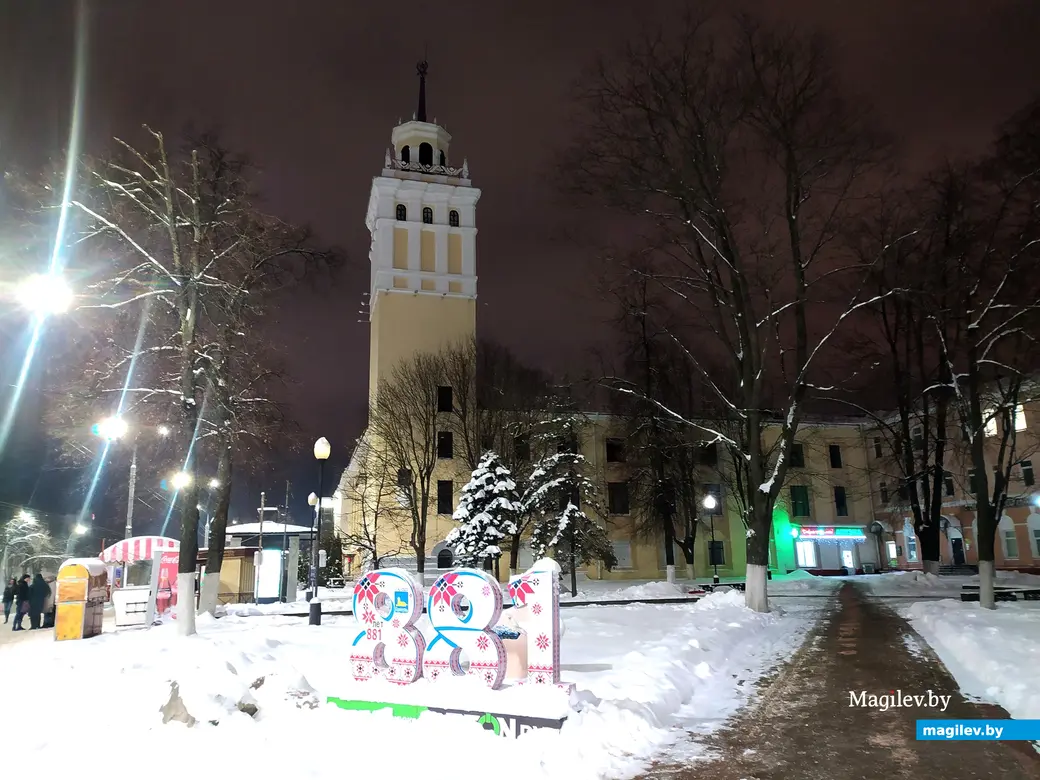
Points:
point(831, 548)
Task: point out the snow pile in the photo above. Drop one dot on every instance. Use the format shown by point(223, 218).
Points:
point(654, 590)
point(643, 675)
point(993, 654)
point(800, 581)
point(905, 583)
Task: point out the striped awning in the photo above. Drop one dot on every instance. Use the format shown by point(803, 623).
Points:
point(138, 548)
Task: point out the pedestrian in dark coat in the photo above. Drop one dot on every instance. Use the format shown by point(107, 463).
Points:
point(21, 602)
point(9, 593)
point(38, 593)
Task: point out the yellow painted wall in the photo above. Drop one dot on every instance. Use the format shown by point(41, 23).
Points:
point(428, 251)
point(454, 253)
point(400, 248)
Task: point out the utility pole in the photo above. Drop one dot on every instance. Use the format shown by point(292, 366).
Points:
point(130, 497)
point(285, 548)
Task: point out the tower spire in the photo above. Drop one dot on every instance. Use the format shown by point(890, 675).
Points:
point(421, 69)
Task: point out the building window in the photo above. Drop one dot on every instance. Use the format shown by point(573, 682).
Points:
point(443, 159)
point(800, 500)
point(615, 451)
point(402, 212)
point(445, 445)
point(716, 553)
point(427, 215)
point(797, 456)
point(877, 447)
point(404, 478)
point(1010, 543)
point(890, 549)
point(714, 489)
point(617, 498)
point(883, 489)
point(973, 482)
point(917, 437)
point(948, 486)
point(445, 496)
point(425, 154)
point(1028, 478)
point(806, 554)
point(567, 445)
point(710, 455)
point(564, 498)
point(445, 402)
point(453, 218)
point(902, 491)
point(1019, 417)
point(835, 453)
point(623, 553)
point(841, 502)
point(406, 154)
point(445, 559)
point(521, 449)
point(911, 542)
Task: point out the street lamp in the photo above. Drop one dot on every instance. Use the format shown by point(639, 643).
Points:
point(112, 429)
point(45, 294)
point(77, 530)
point(214, 484)
point(164, 430)
point(710, 503)
point(181, 480)
point(322, 450)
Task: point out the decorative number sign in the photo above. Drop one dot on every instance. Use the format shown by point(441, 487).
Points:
point(386, 605)
point(464, 608)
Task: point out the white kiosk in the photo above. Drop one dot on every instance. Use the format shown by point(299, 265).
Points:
point(132, 592)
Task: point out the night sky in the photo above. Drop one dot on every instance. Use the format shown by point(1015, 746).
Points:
point(310, 90)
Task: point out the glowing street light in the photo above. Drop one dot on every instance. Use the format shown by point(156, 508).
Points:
point(322, 450)
point(45, 294)
point(710, 502)
point(181, 480)
point(80, 529)
point(164, 430)
point(112, 428)
point(214, 484)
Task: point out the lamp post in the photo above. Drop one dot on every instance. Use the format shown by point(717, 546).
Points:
point(322, 450)
point(709, 504)
point(112, 429)
point(45, 294)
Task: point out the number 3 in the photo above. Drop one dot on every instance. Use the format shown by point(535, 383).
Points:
point(386, 605)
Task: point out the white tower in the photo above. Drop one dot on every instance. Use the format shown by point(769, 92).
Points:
point(422, 217)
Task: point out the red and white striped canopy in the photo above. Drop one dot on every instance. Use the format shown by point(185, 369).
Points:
point(138, 548)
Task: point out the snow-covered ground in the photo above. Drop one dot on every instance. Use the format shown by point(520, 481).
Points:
point(994, 655)
point(645, 675)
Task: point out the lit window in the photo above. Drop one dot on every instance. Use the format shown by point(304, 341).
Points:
point(992, 418)
point(890, 548)
point(911, 542)
point(806, 552)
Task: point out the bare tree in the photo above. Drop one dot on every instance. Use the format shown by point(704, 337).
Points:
point(404, 421)
point(374, 526)
point(989, 331)
point(733, 144)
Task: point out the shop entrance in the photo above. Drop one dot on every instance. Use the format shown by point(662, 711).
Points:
point(957, 546)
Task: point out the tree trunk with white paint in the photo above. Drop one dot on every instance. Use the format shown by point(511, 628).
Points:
point(186, 603)
point(755, 595)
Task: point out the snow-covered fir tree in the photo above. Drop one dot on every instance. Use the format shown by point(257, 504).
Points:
point(558, 493)
point(486, 513)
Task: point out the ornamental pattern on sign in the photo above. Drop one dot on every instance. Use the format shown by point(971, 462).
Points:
point(386, 605)
point(463, 609)
point(536, 599)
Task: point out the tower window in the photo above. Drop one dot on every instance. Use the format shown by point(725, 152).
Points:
point(453, 218)
point(444, 399)
point(425, 154)
point(402, 212)
point(427, 216)
point(444, 160)
point(406, 154)
point(445, 445)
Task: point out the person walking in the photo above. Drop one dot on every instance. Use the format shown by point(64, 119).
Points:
point(38, 593)
point(21, 602)
point(9, 593)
